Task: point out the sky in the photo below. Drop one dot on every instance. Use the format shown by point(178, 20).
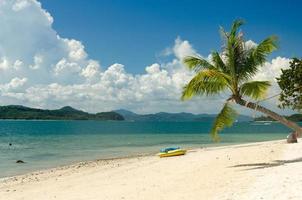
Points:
point(105, 55)
point(134, 32)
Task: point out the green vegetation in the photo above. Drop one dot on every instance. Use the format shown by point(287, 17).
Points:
point(294, 117)
point(232, 70)
point(65, 113)
point(290, 83)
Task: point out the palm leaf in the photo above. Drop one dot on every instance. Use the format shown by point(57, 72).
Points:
point(235, 26)
point(225, 118)
point(255, 89)
point(234, 50)
point(265, 48)
point(257, 57)
point(197, 63)
point(206, 82)
point(223, 34)
point(218, 62)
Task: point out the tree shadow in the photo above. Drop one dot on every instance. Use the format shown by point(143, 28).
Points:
point(275, 163)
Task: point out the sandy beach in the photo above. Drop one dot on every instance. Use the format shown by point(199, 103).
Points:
point(267, 170)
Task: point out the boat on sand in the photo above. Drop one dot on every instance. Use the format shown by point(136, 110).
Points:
point(172, 151)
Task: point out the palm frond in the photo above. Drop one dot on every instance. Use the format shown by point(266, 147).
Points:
point(235, 26)
point(257, 57)
point(255, 89)
point(218, 62)
point(234, 50)
point(197, 63)
point(225, 118)
point(206, 82)
point(252, 59)
point(265, 48)
point(223, 34)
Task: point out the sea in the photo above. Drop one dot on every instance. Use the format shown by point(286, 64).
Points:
point(46, 144)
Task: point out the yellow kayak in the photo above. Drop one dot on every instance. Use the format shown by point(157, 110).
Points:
point(177, 152)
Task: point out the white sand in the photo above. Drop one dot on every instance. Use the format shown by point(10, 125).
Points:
point(201, 174)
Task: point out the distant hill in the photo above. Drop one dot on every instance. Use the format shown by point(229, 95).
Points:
point(69, 113)
point(294, 117)
point(126, 113)
point(163, 116)
point(65, 113)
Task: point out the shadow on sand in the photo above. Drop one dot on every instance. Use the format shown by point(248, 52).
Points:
point(275, 163)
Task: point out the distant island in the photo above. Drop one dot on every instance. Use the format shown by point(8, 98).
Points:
point(164, 116)
point(69, 113)
point(65, 113)
point(294, 117)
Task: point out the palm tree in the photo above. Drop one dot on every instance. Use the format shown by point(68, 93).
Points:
point(232, 70)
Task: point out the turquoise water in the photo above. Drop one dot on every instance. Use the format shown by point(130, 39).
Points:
point(44, 144)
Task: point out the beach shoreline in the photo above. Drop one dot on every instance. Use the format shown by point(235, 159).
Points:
point(74, 165)
point(104, 161)
point(224, 172)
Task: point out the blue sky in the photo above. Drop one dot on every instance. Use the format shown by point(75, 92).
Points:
point(104, 55)
point(135, 32)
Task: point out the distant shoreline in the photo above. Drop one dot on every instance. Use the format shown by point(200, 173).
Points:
point(13, 112)
point(70, 113)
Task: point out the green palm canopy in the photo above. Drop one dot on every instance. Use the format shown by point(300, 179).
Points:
point(232, 69)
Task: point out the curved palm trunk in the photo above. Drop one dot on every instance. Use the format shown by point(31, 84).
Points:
point(270, 113)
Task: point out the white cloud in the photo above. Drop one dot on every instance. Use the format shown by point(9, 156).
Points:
point(183, 48)
point(17, 82)
point(20, 4)
point(14, 85)
point(28, 42)
point(4, 63)
point(152, 69)
point(180, 50)
point(63, 66)
point(17, 64)
point(76, 50)
point(272, 69)
point(92, 70)
point(38, 61)
point(41, 69)
point(249, 44)
point(269, 72)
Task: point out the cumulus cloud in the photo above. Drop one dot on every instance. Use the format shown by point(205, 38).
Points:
point(38, 61)
point(14, 88)
point(269, 72)
point(272, 69)
point(41, 69)
point(4, 64)
point(76, 50)
point(180, 50)
point(19, 5)
point(64, 66)
point(39, 53)
point(92, 70)
point(250, 44)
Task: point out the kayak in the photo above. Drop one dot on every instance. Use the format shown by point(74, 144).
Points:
point(165, 150)
point(176, 152)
